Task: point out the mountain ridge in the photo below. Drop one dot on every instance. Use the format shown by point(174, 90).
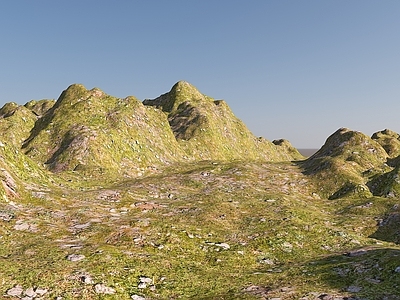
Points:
point(104, 197)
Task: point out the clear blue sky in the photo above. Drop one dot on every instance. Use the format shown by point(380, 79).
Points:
point(289, 69)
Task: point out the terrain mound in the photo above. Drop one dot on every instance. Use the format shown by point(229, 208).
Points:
point(353, 164)
point(92, 133)
point(206, 129)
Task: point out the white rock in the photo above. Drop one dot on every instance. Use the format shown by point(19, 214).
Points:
point(75, 257)
point(22, 227)
point(146, 280)
point(40, 291)
point(354, 289)
point(102, 289)
point(397, 270)
point(137, 297)
point(87, 279)
point(30, 292)
point(224, 246)
point(15, 291)
point(142, 285)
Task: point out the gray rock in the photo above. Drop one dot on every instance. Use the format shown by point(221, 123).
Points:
point(30, 292)
point(22, 226)
point(40, 291)
point(75, 257)
point(354, 289)
point(142, 285)
point(146, 280)
point(102, 289)
point(15, 291)
point(224, 246)
point(137, 297)
point(5, 216)
point(87, 279)
point(397, 270)
point(356, 253)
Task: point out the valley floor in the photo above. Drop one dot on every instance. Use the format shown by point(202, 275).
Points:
point(241, 230)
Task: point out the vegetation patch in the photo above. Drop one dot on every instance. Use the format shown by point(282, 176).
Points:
point(108, 198)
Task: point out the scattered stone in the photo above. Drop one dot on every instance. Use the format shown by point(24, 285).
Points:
point(103, 289)
point(356, 253)
point(142, 285)
point(224, 246)
point(373, 280)
point(40, 291)
point(15, 291)
point(81, 226)
point(257, 290)
point(267, 261)
point(5, 216)
point(87, 279)
point(144, 282)
point(20, 226)
point(30, 292)
point(75, 257)
point(354, 289)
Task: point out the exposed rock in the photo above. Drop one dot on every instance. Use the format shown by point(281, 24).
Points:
point(103, 289)
point(224, 246)
point(144, 282)
point(354, 289)
point(15, 291)
point(75, 257)
point(30, 292)
point(8, 183)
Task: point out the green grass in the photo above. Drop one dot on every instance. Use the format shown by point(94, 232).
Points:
point(170, 228)
point(179, 192)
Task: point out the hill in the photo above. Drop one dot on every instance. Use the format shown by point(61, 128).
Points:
point(353, 164)
point(109, 198)
point(91, 132)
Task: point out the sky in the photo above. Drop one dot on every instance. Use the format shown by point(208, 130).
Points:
point(289, 69)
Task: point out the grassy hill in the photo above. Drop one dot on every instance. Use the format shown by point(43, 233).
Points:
point(174, 198)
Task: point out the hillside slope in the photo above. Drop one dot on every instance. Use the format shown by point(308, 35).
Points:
point(206, 129)
point(351, 164)
point(174, 198)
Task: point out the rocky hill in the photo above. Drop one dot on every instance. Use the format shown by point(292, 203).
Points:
point(91, 132)
point(352, 164)
point(206, 129)
point(174, 198)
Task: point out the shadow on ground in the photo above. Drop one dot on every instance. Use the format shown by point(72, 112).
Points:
point(366, 273)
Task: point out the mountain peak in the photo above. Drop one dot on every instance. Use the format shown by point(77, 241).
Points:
point(182, 91)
